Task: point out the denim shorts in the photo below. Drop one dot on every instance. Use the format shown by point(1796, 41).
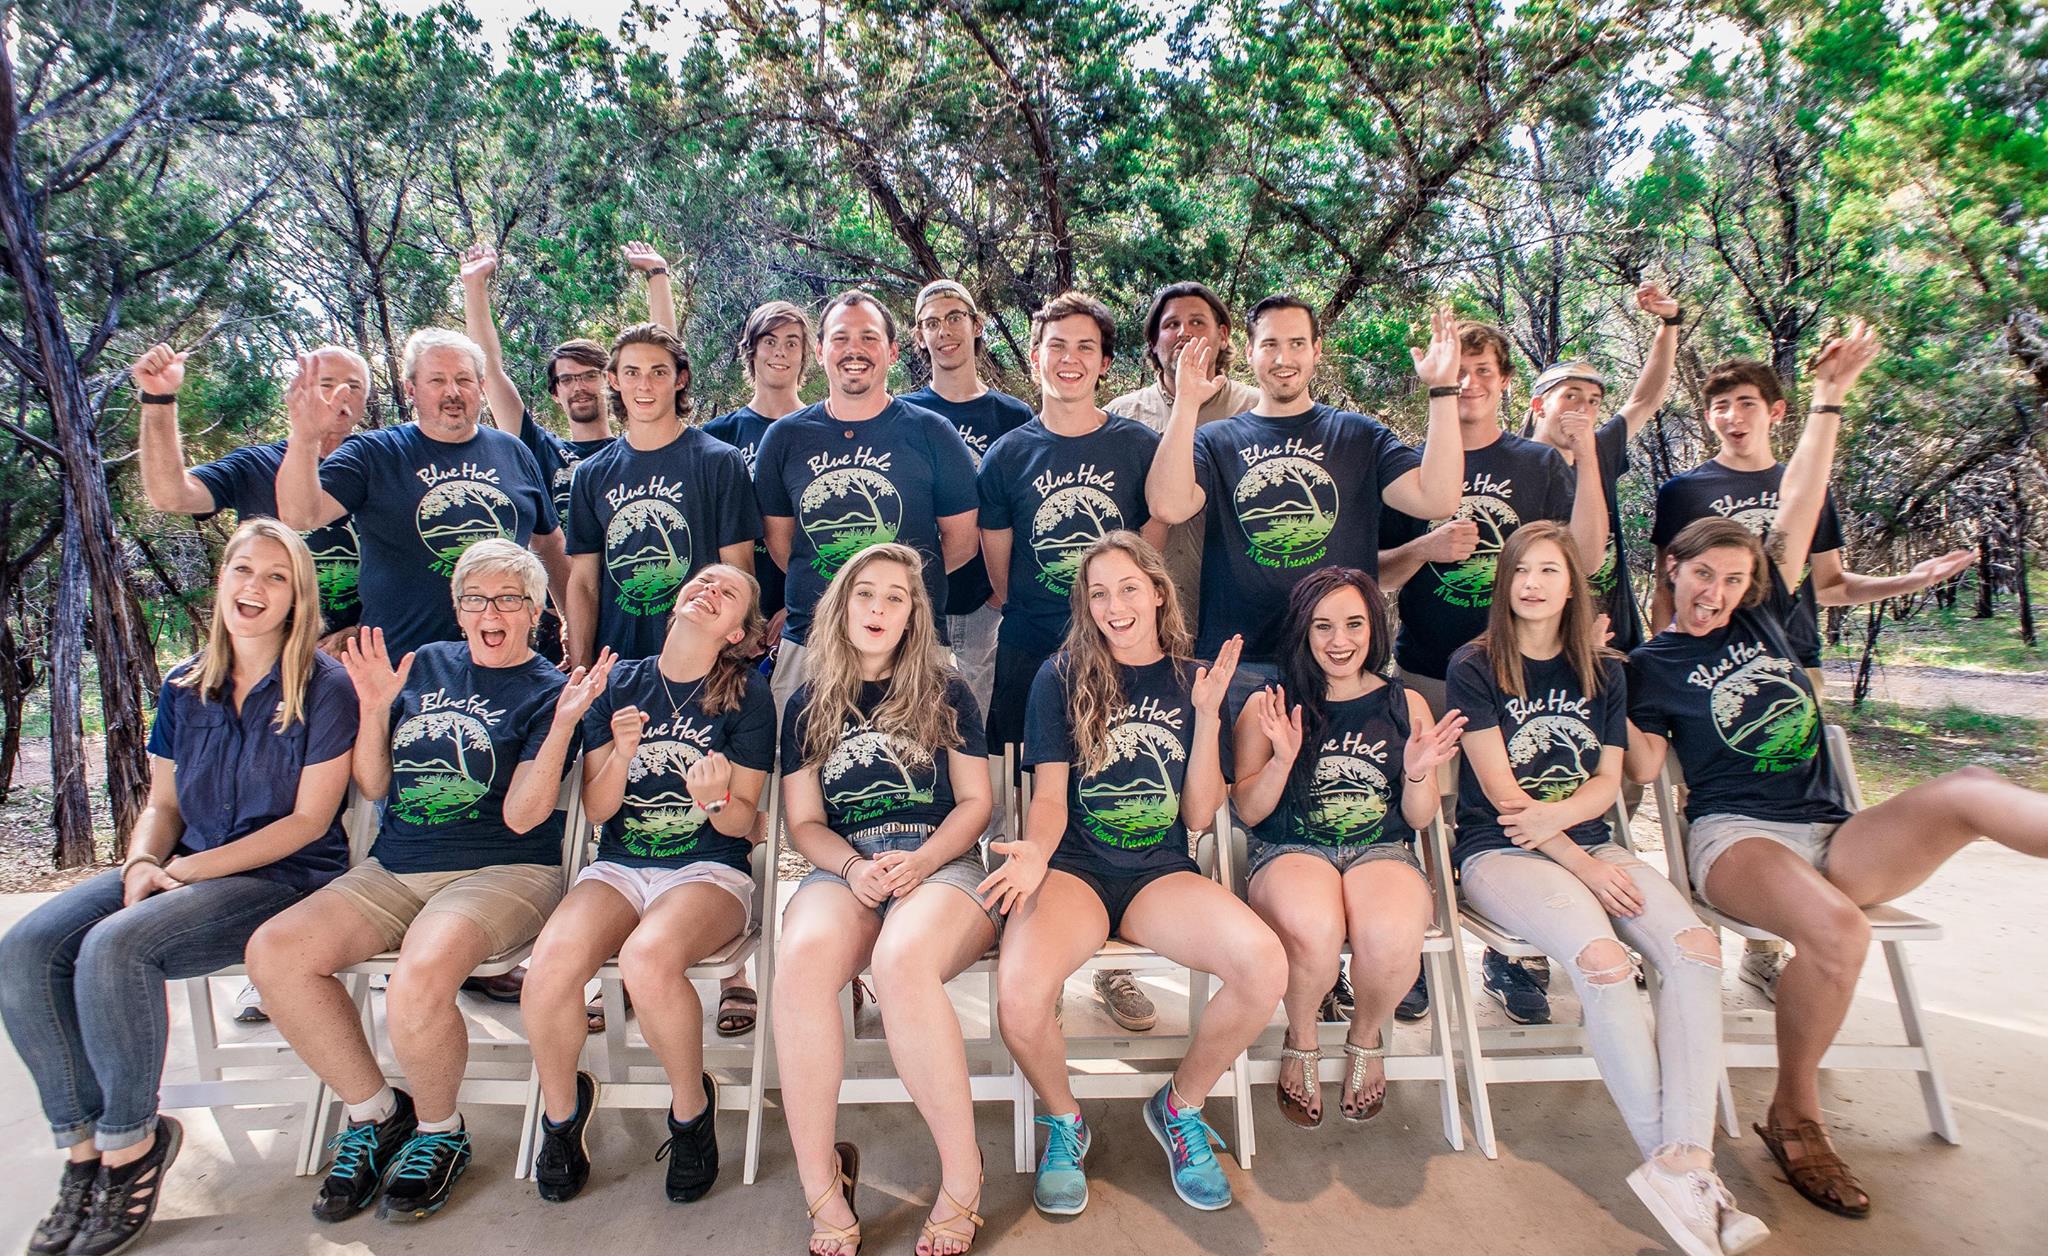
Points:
point(965, 873)
point(1711, 837)
point(1342, 858)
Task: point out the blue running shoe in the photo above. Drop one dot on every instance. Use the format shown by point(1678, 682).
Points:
point(1515, 990)
point(427, 1168)
point(1197, 1178)
point(1062, 1188)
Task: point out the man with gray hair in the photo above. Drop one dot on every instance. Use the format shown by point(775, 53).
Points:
point(947, 330)
point(423, 492)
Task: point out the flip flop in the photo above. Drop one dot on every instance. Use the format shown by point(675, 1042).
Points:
point(737, 1010)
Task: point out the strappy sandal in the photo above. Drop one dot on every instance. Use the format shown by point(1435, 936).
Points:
point(1293, 1107)
point(737, 1009)
point(1819, 1172)
point(1358, 1058)
point(933, 1231)
point(847, 1237)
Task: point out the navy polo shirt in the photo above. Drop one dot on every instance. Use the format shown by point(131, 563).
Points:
point(236, 773)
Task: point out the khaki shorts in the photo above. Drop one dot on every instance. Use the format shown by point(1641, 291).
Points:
point(508, 902)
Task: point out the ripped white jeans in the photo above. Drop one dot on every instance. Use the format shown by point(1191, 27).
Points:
point(1665, 1086)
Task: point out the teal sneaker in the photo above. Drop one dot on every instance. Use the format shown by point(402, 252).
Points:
point(1197, 1178)
point(1062, 1188)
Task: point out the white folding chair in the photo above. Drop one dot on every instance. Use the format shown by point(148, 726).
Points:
point(1751, 1040)
point(1111, 1062)
point(627, 1054)
point(1441, 962)
point(500, 1053)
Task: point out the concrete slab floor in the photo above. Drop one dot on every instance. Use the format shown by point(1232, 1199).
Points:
point(1391, 1187)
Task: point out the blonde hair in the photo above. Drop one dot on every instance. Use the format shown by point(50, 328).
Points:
point(1582, 651)
point(213, 666)
point(915, 708)
point(496, 556)
point(726, 683)
point(1095, 689)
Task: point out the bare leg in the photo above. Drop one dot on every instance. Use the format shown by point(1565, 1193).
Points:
point(1192, 920)
point(1301, 897)
point(1387, 909)
point(826, 938)
point(930, 936)
point(427, 1031)
point(293, 958)
point(585, 930)
point(1886, 850)
point(1050, 936)
point(680, 928)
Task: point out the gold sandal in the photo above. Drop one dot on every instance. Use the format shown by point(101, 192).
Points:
point(933, 1231)
point(1296, 1109)
point(848, 1157)
point(1354, 1078)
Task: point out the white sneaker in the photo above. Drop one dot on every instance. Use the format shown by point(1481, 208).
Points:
point(1687, 1205)
point(1739, 1231)
point(249, 1006)
point(1762, 969)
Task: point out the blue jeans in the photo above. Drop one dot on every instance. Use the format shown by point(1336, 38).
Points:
point(82, 992)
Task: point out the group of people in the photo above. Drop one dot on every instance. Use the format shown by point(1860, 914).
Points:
point(1175, 602)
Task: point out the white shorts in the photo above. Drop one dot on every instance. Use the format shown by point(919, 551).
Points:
point(641, 886)
point(1715, 835)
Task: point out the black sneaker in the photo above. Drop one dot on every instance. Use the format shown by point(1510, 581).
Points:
point(1515, 990)
point(1414, 1005)
point(426, 1169)
point(1337, 1005)
point(692, 1150)
point(74, 1199)
point(362, 1151)
point(124, 1199)
point(563, 1163)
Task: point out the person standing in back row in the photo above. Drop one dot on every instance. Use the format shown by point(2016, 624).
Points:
point(947, 329)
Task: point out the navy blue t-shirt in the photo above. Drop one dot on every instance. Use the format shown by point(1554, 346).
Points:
point(876, 778)
point(556, 458)
point(458, 732)
point(1741, 716)
point(1751, 499)
point(743, 429)
point(236, 773)
point(1058, 495)
point(980, 422)
point(1611, 583)
point(1354, 794)
point(1554, 736)
point(418, 503)
point(852, 485)
point(1508, 483)
point(658, 825)
point(245, 482)
point(1125, 819)
point(1286, 495)
point(654, 517)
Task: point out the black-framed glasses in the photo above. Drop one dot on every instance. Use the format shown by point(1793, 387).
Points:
point(953, 320)
point(506, 603)
point(580, 377)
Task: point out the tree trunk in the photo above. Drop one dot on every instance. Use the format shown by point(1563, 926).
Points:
point(2019, 559)
point(1873, 628)
point(67, 734)
point(1987, 578)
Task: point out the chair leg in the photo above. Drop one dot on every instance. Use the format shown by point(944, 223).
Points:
point(1026, 1110)
point(529, 1126)
point(613, 991)
point(757, 1079)
point(1440, 1046)
point(205, 1030)
point(1730, 1126)
point(1241, 1099)
point(310, 1140)
point(1939, 1114)
point(1460, 989)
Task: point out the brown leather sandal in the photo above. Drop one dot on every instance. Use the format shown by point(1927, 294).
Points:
point(1818, 1172)
point(1296, 1108)
point(936, 1231)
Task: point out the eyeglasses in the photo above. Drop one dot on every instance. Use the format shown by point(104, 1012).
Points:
point(508, 603)
point(580, 377)
point(953, 321)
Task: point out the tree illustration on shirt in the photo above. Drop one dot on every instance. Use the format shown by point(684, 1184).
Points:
point(647, 551)
point(456, 514)
point(661, 819)
point(1562, 752)
point(1132, 803)
point(1287, 507)
point(1763, 712)
point(1058, 544)
point(846, 510)
point(442, 762)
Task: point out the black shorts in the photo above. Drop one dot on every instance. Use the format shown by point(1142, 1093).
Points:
point(1016, 668)
point(1116, 892)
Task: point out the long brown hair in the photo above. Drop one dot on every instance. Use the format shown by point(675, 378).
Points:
point(726, 683)
point(1582, 652)
point(915, 708)
point(1095, 689)
point(214, 665)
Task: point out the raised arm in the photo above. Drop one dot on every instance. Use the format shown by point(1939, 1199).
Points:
point(1451, 542)
point(1589, 499)
point(166, 482)
point(1434, 489)
point(1173, 493)
point(377, 685)
point(1267, 741)
point(1804, 488)
point(537, 782)
point(1834, 585)
point(1654, 384)
point(661, 294)
point(604, 768)
point(1202, 788)
point(479, 264)
point(301, 502)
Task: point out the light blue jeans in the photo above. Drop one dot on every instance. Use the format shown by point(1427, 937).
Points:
point(82, 992)
point(1665, 1086)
